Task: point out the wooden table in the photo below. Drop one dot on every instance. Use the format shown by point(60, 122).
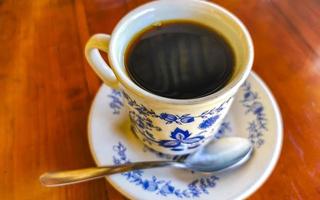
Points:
point(46, 88)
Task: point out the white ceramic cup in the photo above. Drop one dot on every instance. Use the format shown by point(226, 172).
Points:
point(172, 126)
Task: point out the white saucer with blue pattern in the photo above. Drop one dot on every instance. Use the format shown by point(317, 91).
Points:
point(254, 114)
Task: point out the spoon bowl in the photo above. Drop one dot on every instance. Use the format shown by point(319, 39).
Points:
point(217, 156)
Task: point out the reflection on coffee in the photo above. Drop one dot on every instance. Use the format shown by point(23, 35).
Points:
point(180, 60)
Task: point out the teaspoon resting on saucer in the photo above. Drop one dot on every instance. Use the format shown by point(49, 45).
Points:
point(217, 156)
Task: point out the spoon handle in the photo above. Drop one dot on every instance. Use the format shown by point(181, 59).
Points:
point(61, 178)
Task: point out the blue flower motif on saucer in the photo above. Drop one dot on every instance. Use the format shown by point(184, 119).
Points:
point(151, 185)
point(180, 137)
point(163, 187)
point(116, 103)
point(258, 125)
point(208, 122)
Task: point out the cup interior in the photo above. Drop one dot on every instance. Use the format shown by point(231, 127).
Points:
point(200, 12)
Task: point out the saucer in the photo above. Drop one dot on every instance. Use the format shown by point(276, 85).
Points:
point(254, 114)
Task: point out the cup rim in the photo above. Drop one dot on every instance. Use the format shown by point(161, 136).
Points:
point(127, 83)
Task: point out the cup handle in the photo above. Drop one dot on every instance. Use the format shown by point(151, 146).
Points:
point(95, 43)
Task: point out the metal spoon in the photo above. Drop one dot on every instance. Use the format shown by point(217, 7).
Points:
point(217, 156)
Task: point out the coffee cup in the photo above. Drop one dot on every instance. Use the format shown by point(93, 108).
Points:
point(168, 125)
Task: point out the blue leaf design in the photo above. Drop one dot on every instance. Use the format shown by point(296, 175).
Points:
point(193, 139)
point(208, 122)
point(150, 185)
point(186, 119)
point(169, 143)
point(168, 117)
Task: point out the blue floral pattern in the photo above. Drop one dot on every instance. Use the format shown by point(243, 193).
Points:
point(142, 124)
point(141, 119)
point(208, 122)
point(180, 137)
point(172, 118)
point(256, 129)
point(223, 129)
point(116, 101)
point(195, 188)
point(253, 106)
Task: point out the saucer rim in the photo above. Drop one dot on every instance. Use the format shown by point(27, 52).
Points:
point(243, 195)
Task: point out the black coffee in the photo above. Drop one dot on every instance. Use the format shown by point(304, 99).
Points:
point(180, 60)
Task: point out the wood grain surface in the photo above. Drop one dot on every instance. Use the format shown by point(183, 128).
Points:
point(46, 88)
